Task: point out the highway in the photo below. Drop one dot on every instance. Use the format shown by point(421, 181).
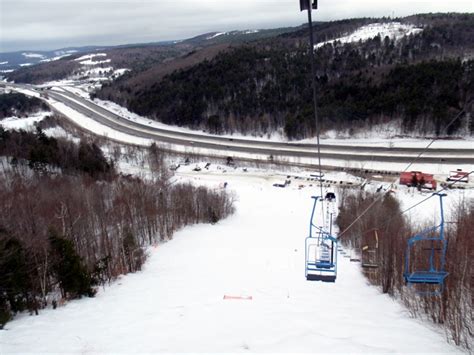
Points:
point(225, 146)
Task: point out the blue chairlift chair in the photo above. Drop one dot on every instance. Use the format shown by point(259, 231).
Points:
point(320, 252)
point(434, 272)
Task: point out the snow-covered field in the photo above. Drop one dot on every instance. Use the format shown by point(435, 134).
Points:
point(177, 303)
point(393, 30)
point(27, 123)
point(33, 55)
point(95, 68)
point(90, 56)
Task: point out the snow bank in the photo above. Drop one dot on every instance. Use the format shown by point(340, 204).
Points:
point(91, 125)
point(394, 30)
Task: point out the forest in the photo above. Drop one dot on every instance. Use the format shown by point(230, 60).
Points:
point(69, 222)
point(42, 153)
point(264, 86)
point(19, 105)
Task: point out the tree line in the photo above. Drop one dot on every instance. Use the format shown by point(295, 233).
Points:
point(64, 234)
point(41, 152)
point(19, 105)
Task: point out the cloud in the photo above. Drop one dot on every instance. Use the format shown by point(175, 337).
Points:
point(37, 24)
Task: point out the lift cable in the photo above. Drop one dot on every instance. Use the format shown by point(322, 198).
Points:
point(315, 99)
point(408, 166)
point(448, 186)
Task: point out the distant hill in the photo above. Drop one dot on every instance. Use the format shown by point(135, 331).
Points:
point(16, 60)
point(418, 76)
point(412, 74)
point(36, 67)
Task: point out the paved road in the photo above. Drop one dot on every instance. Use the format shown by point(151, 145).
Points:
point(233, 146)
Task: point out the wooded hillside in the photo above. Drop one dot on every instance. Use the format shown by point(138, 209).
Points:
point(20, 105)
point(71, 224)
point(422, 80)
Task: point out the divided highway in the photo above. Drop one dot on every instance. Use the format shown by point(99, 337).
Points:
point(232, 146)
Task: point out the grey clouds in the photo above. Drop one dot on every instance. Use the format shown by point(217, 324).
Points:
point(50, 24)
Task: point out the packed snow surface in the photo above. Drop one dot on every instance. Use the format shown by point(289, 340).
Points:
point(177, 303)
point(3, 63)
point(394, 30)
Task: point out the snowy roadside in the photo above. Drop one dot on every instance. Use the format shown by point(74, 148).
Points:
point(378, 136)
point(371, 162)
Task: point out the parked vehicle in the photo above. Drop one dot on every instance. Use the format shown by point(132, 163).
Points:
point(458, 175)
point(418, 179)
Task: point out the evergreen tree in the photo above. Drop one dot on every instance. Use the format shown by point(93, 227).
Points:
point(74, 279)
point(14, 280)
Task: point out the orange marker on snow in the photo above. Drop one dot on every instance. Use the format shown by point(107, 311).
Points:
point(245, 298)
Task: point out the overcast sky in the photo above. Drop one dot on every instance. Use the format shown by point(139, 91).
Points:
point(52, 24)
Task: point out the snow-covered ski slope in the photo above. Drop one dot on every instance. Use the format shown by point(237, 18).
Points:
point(176, 304)
point(393, 30)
